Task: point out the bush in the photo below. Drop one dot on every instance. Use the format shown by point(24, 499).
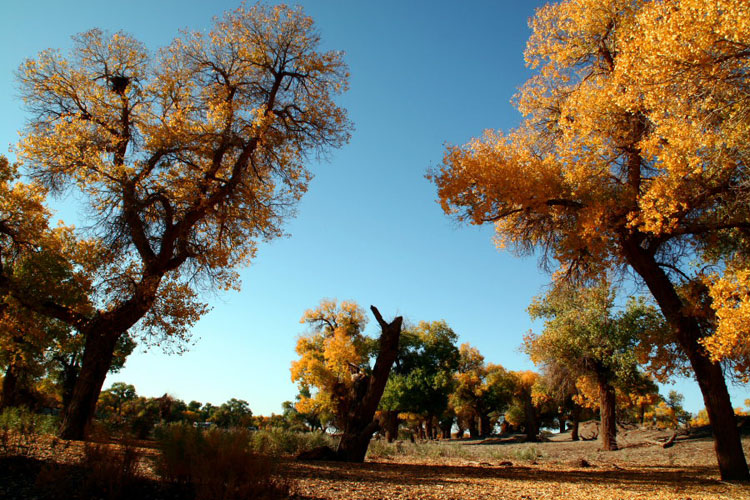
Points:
point(529, 453)
point(20, 429)
point(282, 442)
point(427, 449)
point(216, 464)
point(110, 472)
point(25, 421)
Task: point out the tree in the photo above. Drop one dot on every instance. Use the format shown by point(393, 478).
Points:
point(233, 413)
point(334, 360)
point(187, 158)
point(112, 400)
point(582, 332)
point(332, 355)
point(557, 386)
point(37, 261)
point(483, 391)
point(633, 152)
point(422, 377)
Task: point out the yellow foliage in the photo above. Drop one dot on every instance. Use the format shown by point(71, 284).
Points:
point(332, 356)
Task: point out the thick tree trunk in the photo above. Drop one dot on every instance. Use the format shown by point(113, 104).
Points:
point(390, 424)
point(360, 426)
point(69, 377)
point(10, 396)
point(575, 416)
point(97, 358)
point(532, 426)
point(562, 421)
point(473, 429)
point(445, 430)
point(101, 334)
point(727, 444)
point(642, 413)
point(484, 426)
point(608, 431)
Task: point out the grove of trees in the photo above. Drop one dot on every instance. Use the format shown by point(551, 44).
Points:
point(630, 165)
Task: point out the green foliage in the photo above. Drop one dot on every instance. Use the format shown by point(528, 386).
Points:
point(25, 421)
point(233, 413)
point(528, 453)
point(583, 332)
point(283, 442)
point(20, 429)
point(422, 377)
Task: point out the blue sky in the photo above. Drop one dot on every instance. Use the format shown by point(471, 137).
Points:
point(423, 74)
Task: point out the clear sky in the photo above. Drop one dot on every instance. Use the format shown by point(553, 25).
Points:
point(423, 74)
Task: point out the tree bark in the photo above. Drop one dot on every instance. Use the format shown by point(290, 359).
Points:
point(473, 429)
point(562, 421)
point(575, 416)
point(484, 426)
point(10, 395)
point(687, 330)
point(390, 424)
point(360, 426)
point(97, 358)
point(532, 426)
point(607, 412)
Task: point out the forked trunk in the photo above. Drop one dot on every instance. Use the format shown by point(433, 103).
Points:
point(360, 426)
point(608, 432)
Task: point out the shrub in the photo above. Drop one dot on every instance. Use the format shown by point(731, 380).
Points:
point(282, 442)
point(216, 464)
point(20, 429)
point(111, 472)
point(529, 453)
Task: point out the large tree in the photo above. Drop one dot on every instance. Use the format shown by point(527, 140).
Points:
point(633, 153)
point(187, 158)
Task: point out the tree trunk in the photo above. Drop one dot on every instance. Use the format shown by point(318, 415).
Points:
point(473, 429)
point(484, 426)
point(532, 426)
point(97, 358)
point(390, 424)
point(360, 426)
point(642, 413)
point(575, 416)
point(562, 421)
point(687, 331)
point(608, 432)
point(445, 430)
point(10, 396)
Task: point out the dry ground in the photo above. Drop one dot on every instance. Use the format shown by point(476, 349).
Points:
point(493, 469)
point(503, 470)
